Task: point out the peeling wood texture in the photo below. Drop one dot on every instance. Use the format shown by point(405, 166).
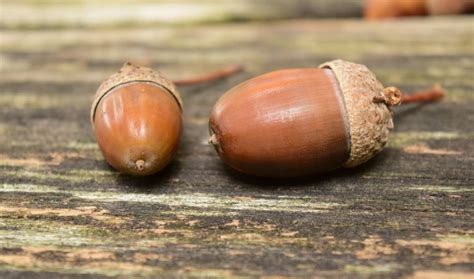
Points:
point(65, 214)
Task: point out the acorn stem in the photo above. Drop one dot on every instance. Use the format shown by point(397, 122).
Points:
point(140, 164)
point(432, 95)
point(219, 74)
point(391, 96)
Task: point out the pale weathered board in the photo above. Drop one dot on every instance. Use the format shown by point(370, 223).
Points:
point(65, 213)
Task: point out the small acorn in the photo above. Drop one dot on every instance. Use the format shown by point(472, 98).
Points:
point(136, 117)
point(379, 9)
point(298, 122)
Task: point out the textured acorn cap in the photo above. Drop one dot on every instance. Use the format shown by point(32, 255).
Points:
point(367, 105)
point(130, 73)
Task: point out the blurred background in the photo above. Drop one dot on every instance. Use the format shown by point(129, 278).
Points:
point(177, 36)
point(87, 13)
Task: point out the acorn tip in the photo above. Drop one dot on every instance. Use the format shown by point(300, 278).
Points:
point(140, 164)
point(213, 140)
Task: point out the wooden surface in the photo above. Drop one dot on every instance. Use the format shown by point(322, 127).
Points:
point(65, 213)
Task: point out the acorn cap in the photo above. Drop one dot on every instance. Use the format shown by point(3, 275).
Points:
point(130, 73)
point(367, 104)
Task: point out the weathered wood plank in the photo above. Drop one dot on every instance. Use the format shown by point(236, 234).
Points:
point(65, 213)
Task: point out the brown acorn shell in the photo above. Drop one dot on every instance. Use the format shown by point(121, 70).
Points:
point(369, 122)
point(137, 127)
point(284, 123)
point(131, 73)
point(139, 124)
point(380, 9)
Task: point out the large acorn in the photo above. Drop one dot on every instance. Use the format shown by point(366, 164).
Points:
point(299, 122)
point(136, 116)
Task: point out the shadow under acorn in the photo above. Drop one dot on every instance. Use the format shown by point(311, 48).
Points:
point(146, 184)
point(316, 180)
point(231, 177)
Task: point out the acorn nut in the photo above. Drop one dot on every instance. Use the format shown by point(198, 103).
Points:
point(298, 122)
point(136, 117)
point(379, 9)
point(450, 7)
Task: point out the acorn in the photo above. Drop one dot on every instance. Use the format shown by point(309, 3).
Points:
point(136, 117)
point(447, 7)
point(298, 122)
point(378, 9)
